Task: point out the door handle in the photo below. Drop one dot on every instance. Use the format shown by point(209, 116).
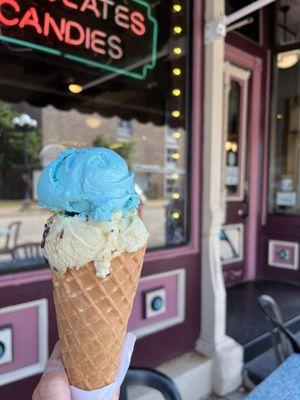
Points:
point(243, 211)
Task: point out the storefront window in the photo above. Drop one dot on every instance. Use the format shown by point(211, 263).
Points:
point(249, 26)
point(287, 22)
point(84, 73)
point(284, 182)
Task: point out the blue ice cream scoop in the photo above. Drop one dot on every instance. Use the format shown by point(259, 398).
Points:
point(91, 181)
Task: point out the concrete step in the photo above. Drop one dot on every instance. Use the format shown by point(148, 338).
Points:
point(192, 374)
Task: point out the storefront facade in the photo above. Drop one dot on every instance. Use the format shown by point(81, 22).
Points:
point(216, 163)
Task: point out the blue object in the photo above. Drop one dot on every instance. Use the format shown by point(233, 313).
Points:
point(283, 383)
point(2, 349)
point(90, 181)
point(157, 303)
point(282, 254)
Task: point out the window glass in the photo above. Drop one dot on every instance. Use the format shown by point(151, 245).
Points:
point(232, 143)
point(248, 26)
point(80, 73)
point(287, 22)
point(284, 182)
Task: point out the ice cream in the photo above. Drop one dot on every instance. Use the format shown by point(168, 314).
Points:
point(94, 199)
point(72, 241)
point(95, 245)
point(90, 181)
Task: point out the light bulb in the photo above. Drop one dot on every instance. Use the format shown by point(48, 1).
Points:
point(176, 135)
point(176, 71)
point(177, 29)
point(234, 147)
point(176, 196)
point(177, 50)
point(176, 113)
point(176, 215)
point(75, 88)
point(228, 145)
point(176, 92)
point(176, 156)
point(175, 176)
point(177, 7)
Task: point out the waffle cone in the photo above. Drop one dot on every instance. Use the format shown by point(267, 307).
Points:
point(92, 316)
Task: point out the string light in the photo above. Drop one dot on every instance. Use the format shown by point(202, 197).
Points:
point(176, 215)
point(177, 29)
point(177, 7)
point(176, 71)
point(176, 196)
point(176, 92)
point(176, 113)
point(177, 50)
point(176, 135)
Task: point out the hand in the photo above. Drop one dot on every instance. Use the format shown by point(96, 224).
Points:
point(54, 384)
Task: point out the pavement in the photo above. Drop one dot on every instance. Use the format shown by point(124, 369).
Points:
point(239, 394)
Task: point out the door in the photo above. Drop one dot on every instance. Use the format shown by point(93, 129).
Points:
point(236, 189)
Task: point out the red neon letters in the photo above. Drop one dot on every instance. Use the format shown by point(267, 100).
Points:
point(72, 32)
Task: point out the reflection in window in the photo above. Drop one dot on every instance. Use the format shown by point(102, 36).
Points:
point(248, 26)
point(75, 105)
point(284, 183)
point(287, 24)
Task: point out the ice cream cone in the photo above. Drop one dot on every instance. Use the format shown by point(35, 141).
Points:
point(92, 317)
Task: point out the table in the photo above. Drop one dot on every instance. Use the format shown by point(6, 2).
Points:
point(282, 384)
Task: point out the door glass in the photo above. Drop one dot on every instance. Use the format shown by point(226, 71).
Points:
point(284, 182)
point(233, 139)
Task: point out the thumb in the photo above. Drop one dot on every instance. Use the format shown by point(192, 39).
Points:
point(54, 384)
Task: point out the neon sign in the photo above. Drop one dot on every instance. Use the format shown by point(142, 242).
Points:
point(113, 35)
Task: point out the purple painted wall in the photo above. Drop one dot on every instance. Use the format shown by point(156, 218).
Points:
point(22, 390)
point(25, 336)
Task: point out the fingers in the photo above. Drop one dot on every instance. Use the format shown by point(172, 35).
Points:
point(54, 384)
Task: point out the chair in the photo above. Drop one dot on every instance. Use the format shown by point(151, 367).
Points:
point(150, 378)
point(11, 238)
point(28, 253)
point(283, 344)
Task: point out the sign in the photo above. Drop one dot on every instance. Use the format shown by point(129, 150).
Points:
point(232, 243)
point(286, 199)
point(113, 35)
point(232, 176)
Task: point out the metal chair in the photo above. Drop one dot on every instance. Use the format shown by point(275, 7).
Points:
point(150, 378)
point(284, 342)
point(28, 253)
point(11, 238)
